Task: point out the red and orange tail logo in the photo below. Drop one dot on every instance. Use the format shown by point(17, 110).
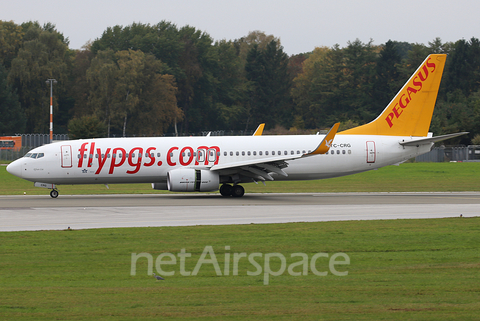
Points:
point(410, 112)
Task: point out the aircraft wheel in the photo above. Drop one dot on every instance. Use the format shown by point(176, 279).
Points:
point(238, 191)
point(226, 190)
point(54, 193)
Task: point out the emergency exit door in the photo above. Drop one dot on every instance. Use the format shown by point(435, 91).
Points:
point(66, 156)
point(371, 152)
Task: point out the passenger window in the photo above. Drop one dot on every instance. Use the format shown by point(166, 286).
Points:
point(238, 153)
point(248, 153)
point(343, 152)
point(200, 158)
point(260, 153)
point(254, 153)
point(273, 152)
point(332, 152)
point(266, 152)
point(243, 153)
point(231, 153)
point(338, 151)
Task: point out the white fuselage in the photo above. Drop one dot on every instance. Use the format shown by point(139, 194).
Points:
point(148, 160)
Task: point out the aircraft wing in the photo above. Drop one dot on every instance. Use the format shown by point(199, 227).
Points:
point(261, 168)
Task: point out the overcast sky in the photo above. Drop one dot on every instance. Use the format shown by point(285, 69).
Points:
point(301, 25)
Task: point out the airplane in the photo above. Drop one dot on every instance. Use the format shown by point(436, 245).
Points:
point(211, 163)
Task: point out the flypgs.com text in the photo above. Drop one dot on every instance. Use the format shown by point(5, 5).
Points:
point(138, 157)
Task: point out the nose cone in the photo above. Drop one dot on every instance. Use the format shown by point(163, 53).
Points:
point(15, 168)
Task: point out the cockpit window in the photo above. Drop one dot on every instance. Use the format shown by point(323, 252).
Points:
point(34, 155)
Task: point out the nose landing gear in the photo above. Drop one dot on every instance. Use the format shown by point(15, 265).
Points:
point(54, 193)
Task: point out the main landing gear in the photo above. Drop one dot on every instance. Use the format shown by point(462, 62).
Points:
point(54, 193)
point(229, 190)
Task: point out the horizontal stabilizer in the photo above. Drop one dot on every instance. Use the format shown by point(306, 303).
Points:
point(429, 140)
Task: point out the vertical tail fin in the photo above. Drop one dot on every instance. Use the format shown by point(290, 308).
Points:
point(410, 112)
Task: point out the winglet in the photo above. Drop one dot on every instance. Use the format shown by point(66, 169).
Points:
point(259, 130)
point(326, 142)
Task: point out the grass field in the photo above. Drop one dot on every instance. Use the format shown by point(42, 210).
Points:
point(409, 177)
point(398, 270)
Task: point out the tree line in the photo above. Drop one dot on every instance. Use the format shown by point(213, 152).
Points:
point(148, 80)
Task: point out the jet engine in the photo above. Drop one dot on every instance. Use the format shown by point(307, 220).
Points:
point(192, 180)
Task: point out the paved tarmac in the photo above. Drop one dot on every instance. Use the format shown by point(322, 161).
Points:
point(26, 212)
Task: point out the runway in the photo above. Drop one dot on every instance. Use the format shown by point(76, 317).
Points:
point(25, 212)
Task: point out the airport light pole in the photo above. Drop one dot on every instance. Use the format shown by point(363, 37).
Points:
point(51, 82)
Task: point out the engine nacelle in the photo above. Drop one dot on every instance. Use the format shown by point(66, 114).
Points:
point(192, 180)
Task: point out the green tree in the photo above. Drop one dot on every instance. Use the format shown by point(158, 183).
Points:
point(188, 56)
point(229, 87)
point(388, 81)
point(463, 69)
point(159, 108)
point(254, 38)
point(80, 88)
point(87, 126)
point(360, 73)
point(43, 55)
point(11, 36)
point(269, 86)
point(307, 91)
point(131, 85)
point(101, 77)
point(12, 118)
